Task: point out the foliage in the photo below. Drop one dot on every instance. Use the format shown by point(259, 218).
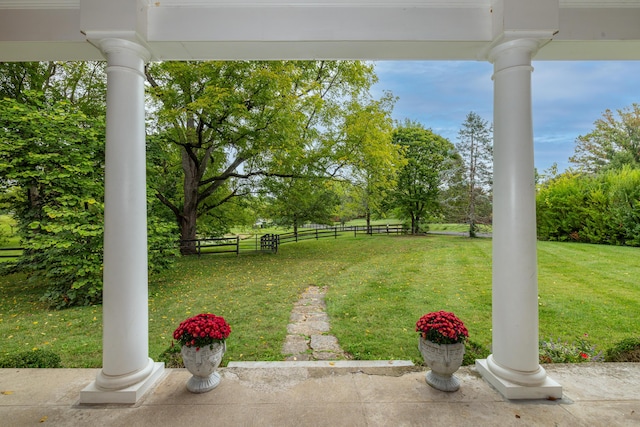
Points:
point(36, 358)
point(202, 330)
point(295, 201)
point(428, 157)
point(558, 351)
point(614, 143)
point(601, 209)
point(442, 327)
point(627, 350)
point(474, 189)
point(226, 126)
point(52, 179)
point(373, 157)
point(57, 197)
point(474, 351)
point(171, 357)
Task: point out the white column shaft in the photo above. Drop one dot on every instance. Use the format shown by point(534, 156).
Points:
point(125, 294)
point(515, 285)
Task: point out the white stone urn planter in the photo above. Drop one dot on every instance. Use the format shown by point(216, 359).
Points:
point(444, 360)
point(202, 364)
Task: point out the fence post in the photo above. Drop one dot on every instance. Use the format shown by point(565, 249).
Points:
point(237, 245)
point(335, 232)
point(316, 234)
point(198, 246)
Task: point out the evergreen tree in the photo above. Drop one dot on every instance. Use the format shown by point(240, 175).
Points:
point(475, 146)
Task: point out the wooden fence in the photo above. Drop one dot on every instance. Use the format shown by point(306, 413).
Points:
point(10, 252)
point(271, 242)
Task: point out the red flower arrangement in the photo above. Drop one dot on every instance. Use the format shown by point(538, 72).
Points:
point(442, 327)
point(202, 330)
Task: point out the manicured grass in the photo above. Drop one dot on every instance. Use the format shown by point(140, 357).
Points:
point(378, 286)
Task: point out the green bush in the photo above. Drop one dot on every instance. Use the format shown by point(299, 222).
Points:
point(603, 209)
point(31, 359)
point(565, 352)
point(171, 357)
point(472, 352)
point(627, 350)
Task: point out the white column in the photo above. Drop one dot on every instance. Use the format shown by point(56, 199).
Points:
point(127, 369)
point(513, 367)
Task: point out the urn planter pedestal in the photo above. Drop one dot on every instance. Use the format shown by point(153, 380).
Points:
point(202, 364)
point(444, 360)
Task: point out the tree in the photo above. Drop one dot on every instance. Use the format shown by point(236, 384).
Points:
point(612, 144)
point(83, 84)
point(51, 177)
point(475, 148)
point(374, 158)
point(50, 156)
point(232, 124)
point(296, 201)
point(428, 156)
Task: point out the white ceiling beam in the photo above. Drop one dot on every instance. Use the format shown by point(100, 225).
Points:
point(285, 29)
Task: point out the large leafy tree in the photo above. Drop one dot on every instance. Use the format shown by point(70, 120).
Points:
point(51, 176)
point(475, 146)
point(51, 157)
point(613, 143)
point(428, 158)
point(374, 158)
point(233, 124)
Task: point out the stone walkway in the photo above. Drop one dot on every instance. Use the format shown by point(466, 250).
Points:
point(308, 331)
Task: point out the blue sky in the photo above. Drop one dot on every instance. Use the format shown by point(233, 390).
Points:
point(568, 97)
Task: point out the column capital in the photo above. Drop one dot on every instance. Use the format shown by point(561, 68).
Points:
point(513, 53)
point(116, 47)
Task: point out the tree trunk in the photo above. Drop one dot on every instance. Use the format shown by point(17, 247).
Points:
point(187, 220)
point(368, 216)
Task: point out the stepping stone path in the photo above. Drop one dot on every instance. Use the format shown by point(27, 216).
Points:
point(307, 333)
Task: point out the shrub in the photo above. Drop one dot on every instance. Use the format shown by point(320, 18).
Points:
point(473, 351)
point(627, 350)
point(31, 359)
point(171, 357)
point(564, 352)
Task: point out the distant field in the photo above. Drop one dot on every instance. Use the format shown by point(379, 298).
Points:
point(378, 286)
point(7, 237)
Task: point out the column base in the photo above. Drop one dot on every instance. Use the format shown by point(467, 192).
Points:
point(92, 394)
point(548, 389)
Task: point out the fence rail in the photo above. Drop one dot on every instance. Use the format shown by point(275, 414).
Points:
point(271, 242)
point(214, 245)
point(16, 252)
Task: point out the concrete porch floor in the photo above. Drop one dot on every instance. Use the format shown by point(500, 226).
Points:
point(326, 394)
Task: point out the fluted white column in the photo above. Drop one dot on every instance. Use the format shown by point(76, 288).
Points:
point(127, 367)
point(515, 284)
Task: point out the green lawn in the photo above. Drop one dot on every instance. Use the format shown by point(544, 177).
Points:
point(378, 286)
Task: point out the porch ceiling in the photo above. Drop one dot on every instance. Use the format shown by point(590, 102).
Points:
point(313, 29)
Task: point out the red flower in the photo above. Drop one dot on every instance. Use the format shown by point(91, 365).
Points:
point(584, 355)
point(202, 330)
point(442, 327)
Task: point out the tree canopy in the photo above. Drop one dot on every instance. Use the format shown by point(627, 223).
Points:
point(231, 125)
point(52, 127)
point(476, 151)
point(419, 182)
point(613, 143)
